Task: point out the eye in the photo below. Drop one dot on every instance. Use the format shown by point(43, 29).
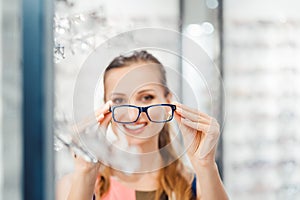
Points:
point(118, 100)
point(147, 97)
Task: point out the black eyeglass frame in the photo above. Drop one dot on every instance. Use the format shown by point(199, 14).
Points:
point(143, 109)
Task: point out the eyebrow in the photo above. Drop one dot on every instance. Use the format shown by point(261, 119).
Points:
point(122, 94)
point(146, 90)
point(117, 93)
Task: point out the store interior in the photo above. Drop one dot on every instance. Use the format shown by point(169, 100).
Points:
point(236, 60)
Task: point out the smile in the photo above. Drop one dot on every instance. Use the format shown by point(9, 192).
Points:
point(134, 127)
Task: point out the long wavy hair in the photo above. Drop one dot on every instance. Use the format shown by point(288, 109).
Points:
point(171, 180)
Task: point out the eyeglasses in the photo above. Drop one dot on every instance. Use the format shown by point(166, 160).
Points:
point(158, 113)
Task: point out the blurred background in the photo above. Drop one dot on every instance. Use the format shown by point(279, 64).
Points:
point(250, 84)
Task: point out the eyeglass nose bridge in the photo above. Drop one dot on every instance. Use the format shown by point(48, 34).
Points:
point(143, 109)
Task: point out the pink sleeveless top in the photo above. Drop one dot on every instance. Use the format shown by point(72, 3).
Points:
point(118, 191)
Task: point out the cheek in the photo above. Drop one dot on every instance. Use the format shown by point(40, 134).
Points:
point(154, 128)
point(114, 127)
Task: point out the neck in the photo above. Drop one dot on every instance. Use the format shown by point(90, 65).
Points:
point(146, 145)
point(139, 181)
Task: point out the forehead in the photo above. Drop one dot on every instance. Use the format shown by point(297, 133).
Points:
point(133, 78)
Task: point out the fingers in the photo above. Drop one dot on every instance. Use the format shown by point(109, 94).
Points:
point(100, 114)
point(180, 108)
point(104, 115)
point(102, 111)
point(205, 124)
point(208, 144)
point(192, 116)
point(200, 126)
point(104, 121)
point(206, 137)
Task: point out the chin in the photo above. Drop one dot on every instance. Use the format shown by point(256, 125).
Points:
point(135, 141)
point(141, 138)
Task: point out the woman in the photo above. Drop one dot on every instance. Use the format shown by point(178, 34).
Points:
point(138, 106)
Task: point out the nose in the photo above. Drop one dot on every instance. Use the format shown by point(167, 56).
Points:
point(133, 114)
point(143, 115)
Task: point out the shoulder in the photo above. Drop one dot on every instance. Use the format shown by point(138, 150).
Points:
point(63, 187)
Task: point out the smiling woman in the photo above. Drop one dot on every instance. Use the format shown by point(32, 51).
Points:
point(139, 107)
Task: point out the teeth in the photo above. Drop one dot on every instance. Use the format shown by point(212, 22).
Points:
point(134, 127)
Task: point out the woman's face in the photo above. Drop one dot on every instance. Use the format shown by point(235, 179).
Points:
point(140, 85)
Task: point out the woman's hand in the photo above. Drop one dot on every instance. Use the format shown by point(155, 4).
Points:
point(200, 132)
point(103, 117)
point(83, 180)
